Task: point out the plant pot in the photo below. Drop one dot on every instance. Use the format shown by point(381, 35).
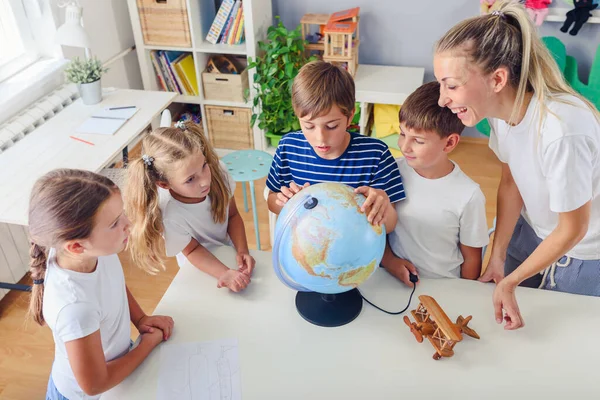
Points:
point(274, 138)
point(91, 93)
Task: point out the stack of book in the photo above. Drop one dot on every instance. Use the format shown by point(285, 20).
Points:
point(175, 71)
point(228, 25)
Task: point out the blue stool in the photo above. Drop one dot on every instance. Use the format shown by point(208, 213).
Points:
point(248, 166)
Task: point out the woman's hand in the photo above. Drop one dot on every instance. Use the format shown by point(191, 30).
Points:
point(506, 307)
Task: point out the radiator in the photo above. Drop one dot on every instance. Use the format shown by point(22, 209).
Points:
point(36, 114)
point(14, 244)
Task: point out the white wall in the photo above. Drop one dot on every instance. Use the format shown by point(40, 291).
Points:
point(108, 25)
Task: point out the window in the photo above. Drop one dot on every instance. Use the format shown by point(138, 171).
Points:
point(18, 47)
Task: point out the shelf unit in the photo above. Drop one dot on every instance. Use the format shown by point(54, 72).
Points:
point(559, 14)
point(258, 16)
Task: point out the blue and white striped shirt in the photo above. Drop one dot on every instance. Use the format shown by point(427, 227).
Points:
point(366, 162)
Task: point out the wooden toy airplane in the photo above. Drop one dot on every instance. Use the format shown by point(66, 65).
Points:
point(433, 323)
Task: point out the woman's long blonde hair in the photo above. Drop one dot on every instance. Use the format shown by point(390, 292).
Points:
point(166, 147)
point(507, 38)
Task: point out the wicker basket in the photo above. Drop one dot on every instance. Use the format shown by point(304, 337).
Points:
point(229, 127)
point(226, 87)
point(165, 22)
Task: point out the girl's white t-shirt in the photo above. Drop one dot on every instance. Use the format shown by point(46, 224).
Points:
point(76, 305)
point(182, 222)
point(435, 218)
point(556, 168)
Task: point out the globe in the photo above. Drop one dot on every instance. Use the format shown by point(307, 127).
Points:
point(325, 248)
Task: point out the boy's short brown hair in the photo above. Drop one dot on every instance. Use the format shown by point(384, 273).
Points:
point(319, 86)
point(421, 112)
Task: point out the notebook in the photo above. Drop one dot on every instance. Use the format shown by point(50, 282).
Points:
point(106, 121)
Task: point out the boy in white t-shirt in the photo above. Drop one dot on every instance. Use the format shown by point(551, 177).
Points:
point(442, 224)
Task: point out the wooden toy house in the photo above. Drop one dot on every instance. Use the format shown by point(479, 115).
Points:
point(341, 39)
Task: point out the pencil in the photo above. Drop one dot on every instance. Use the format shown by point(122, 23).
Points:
point(121, 108)
point(81, 140)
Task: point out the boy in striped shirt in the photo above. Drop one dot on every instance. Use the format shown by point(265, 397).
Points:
point(323, 100)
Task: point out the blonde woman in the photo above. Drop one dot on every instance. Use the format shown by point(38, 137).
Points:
point(548, 140)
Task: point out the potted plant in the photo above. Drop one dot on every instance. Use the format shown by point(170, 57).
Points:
point(281, 57)
point(86, 74)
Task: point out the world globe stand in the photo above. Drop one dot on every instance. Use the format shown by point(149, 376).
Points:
point(312, 258)
point(329, 310)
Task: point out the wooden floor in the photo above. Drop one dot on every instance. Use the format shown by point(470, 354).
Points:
point(27, 350)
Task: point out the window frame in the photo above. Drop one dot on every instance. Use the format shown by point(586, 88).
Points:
point(23, 11)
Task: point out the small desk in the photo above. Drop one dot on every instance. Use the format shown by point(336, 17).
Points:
point(49, 147)
point(384, 84)
point(376, 356)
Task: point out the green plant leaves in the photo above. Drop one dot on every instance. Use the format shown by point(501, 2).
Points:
point(282, 56)
point(86, 71)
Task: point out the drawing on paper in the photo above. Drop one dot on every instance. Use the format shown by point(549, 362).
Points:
point(200, 371)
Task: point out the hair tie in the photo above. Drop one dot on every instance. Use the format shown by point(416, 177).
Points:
point(499, 14)
point(147, 160)
point(180, 124)
point(38, 281)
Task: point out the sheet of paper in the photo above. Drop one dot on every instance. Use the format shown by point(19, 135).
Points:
point(102, 126)
point(200, 371)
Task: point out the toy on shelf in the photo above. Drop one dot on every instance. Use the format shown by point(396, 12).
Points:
point(537, 10)
point(486, 6)
point(579, 15)
point(341, 39)
point(433, 323)
point(315, 41)
point(221, 65)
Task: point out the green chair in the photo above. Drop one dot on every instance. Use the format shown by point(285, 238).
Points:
point(591, 91)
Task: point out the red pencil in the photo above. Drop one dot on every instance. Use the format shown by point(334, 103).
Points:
point(81, 140)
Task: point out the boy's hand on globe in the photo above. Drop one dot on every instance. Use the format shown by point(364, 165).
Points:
point(236, 281)
point(287, 193)
point(377, 203)
point(245, 263)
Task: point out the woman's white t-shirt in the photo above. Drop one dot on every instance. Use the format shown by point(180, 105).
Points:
point(182, 222)
point(557, 168)
point(76, 305)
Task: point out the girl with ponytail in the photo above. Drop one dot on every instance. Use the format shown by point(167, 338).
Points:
point(180, 191)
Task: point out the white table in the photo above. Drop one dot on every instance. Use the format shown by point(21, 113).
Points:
point(49, 147)
point(376, 357)
point(383, 84)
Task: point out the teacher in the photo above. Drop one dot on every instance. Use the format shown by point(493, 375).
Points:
point(547, 137)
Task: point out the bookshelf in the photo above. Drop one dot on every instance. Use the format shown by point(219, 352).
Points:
point(258, 17)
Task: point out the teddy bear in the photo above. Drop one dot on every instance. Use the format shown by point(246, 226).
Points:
point(579, 15)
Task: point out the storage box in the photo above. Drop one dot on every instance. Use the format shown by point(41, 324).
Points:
point(225, 87)
point(165, 22)
point(229, 127)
